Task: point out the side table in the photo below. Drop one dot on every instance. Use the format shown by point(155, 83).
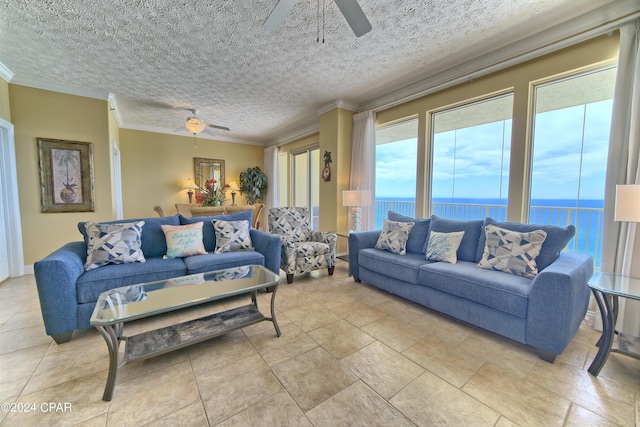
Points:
point(346, 235)
point(606, 289)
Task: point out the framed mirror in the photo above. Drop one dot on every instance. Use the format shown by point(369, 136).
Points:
point(206, 169)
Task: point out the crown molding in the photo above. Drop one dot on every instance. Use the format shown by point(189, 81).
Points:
point(187, 134)
point(294, 134)
point(5, 73)
point(338, 103)
point(55, 87)
point(595, 23)
point(113, 105)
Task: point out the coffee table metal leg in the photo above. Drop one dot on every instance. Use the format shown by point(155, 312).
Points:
point(254, 298)
point(273, 310)
point(608, 311)
point(111, 335)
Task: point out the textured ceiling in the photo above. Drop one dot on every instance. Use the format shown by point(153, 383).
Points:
point(158, 57)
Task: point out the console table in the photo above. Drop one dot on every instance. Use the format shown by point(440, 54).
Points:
point(607, 288)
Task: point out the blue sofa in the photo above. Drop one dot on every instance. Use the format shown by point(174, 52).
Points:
point(68, 293)
point(544, 312)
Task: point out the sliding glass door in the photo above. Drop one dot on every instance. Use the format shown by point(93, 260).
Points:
point(306, 182)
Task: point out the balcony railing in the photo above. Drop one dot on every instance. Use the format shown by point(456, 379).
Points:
point(588, 221)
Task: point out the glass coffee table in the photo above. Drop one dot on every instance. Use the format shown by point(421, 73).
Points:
point(121, 305)
point(606, 289)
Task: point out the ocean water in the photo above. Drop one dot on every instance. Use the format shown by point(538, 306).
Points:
point(585, 215)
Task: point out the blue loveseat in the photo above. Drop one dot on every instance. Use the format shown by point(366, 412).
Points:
point(68, 293)
point(544, 312)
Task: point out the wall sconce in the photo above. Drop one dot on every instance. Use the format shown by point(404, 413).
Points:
point(190, 186)
point(356, 199)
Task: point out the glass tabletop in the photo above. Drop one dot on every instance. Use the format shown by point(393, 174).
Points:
point(147, 299)
point(615, 284)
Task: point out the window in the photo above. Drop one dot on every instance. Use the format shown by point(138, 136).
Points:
point(471, 153)
point(572, 121)
point(396, 160)
point(306, 182)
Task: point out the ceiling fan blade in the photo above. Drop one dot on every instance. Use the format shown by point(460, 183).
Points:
point(209, 132)
point(278, 14)
point(219, 127)
point(355, 17)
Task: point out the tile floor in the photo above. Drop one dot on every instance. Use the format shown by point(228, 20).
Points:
point(349, 355)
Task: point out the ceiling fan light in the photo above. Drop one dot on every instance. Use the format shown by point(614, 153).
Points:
point(194, 125)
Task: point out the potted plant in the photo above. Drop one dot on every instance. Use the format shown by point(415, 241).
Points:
point(211, 195)
point(253, 184)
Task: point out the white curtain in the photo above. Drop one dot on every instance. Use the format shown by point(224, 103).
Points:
point(363, 161)
point(624, 152)
point(620, 239)
point(271, 170)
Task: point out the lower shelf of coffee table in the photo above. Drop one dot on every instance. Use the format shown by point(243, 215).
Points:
point(152, 343)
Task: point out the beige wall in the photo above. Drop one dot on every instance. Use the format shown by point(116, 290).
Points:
point(335, 137)
point(40, 113)
point(155, 166)
point(5, 110)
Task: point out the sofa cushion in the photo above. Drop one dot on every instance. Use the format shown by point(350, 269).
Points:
point(495, 289)
point(232, 236)
point(184, 240)
point(472, 232)
point(212, 262)
point(92, 283)
point(557, 239)
point(400, 267)
point(113, 244)
point(153, 242)
point(394, 236)
point(511, 251)
point(444, 246)
point(208, 234)
point(418, 234)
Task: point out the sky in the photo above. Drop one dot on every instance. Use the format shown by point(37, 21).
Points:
point(475, 157)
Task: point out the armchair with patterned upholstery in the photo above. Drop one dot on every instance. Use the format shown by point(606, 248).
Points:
point(303, 249)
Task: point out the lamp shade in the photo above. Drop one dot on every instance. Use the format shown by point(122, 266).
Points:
point(356, 198)
point(627, 203)
point(189, 185)
point(233, 186)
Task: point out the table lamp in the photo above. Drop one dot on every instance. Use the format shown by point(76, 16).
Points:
point(356, 199)
point(233, 187)
point(190, 186)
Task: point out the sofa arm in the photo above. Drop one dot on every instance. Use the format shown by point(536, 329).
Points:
point(269, 246)
point(360, 240)
point(56, 277)
point(330, 239)
point(558, 302)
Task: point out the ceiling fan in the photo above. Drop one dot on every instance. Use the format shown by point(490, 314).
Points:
point(350, 9)
point(196, 126)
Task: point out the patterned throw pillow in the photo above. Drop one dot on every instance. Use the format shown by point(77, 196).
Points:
point(117, 243)
point(232, 236)
point(444, 246)
point(511, 251)
point(394, 236)
point(184, 240)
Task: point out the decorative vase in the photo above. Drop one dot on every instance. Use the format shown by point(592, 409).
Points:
point(68, 195)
